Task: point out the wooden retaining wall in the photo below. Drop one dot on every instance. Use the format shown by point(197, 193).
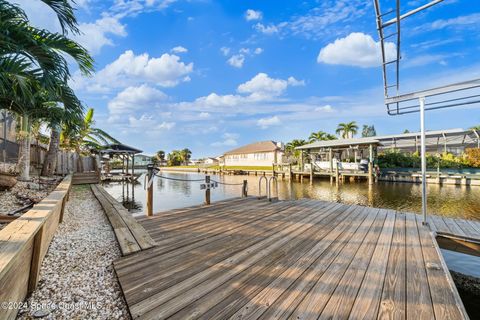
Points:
point(23, 246)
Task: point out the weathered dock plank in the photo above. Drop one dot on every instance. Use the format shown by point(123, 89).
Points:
point(131, 236)
point(251, 259)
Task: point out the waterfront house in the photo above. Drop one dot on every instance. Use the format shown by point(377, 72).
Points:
point(210, 161)
point(142, 160)
point(262, 153)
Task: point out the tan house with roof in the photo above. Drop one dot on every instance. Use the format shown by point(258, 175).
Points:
point(263, 153)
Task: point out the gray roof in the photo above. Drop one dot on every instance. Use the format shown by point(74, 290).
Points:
point(261, 146)
point(454, 137)
point(341, 143)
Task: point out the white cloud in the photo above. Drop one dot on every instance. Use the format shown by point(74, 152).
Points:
point(179, 49)
point(330, 17)
point(130, 69)
point(325, 108)
point(229, 140)
point(258, 51)
point(262, 86)
point(251, 14)
point(356, 49)
point(134, 99)
point(264, 123)
point(95, 35)
point(148, 122)
point(125, 8)
point(461, 21)
point(165, 125)
point(204, 115)
point(225, 51)
point(236, 60)
point(269, 30)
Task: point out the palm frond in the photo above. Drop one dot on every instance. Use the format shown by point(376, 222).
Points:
point(65, 13)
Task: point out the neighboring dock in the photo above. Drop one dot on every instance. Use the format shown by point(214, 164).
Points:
point(304, 259)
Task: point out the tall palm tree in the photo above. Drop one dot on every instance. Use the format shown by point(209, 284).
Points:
point(320, 136)
point(33, 65)
point(347, 130)
point(185, 154)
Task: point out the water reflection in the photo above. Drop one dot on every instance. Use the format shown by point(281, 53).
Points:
point(453, 201)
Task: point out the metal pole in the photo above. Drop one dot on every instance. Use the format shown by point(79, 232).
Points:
point(149, 190)
point(424, 159)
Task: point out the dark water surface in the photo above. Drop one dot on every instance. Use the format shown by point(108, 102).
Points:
point(450, 201)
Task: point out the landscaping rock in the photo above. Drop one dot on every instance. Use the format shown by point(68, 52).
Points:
point(77, 279)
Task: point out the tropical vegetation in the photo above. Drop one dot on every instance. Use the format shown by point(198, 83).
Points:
point(368, 131)
point(179, 157)
point(320, 136)
point(396, 159)
point(34, 75)
point(347, 130)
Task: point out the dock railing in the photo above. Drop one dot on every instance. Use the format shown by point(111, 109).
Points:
point(206, 184)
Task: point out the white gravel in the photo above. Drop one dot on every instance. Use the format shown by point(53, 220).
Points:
point(77, 279)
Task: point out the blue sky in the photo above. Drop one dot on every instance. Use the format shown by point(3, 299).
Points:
point(213, 75)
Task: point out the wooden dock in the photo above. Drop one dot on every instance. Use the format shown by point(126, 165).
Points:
point(304, 259)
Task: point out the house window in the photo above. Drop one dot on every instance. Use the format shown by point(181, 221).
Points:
point(261, 156)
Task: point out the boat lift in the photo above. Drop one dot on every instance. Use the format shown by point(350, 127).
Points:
point(451, 95)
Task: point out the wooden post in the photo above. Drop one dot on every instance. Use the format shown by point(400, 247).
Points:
point(330, 158)
point(207, 190)
point(311, 170)
point(244, 189)
point(133, 168)
point(149, 190)
point(301, 161)
point(370, 165)
point(336, 173)
point(290, 171)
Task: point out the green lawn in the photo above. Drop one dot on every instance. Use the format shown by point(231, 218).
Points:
point(260, 168)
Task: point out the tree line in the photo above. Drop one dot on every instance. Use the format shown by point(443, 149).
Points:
point(174, 158)
point(345, 130)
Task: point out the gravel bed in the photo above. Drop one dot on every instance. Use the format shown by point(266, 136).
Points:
point(77, 279)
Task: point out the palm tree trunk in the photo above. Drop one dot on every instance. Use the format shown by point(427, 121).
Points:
point(79, 160)
point(24, 152)
point(51, 157)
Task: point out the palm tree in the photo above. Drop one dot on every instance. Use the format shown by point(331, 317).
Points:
point(33, 65)
point(291, 146)
point(368, 131)
point(84, 137)
point(347, 130)
point(69, 115)
point(320, 136)
point(185, 154)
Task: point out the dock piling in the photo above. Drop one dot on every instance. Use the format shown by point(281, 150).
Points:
point(207, 190)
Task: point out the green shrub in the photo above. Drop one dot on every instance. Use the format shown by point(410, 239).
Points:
point(396, 159)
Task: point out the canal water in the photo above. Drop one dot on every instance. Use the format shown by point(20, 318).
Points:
point(447, 200)
point(450, 201)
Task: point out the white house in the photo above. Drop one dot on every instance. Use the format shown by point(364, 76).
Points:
point(263, 153)
point(210, 161)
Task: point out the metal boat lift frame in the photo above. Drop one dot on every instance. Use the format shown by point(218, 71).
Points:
point(457, 94)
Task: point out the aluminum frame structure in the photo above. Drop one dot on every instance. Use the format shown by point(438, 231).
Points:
point(457, 94)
